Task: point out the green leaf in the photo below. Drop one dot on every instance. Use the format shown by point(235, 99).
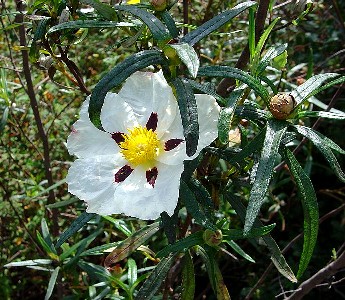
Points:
point(46, 235)
point(117, 75)
point(193, 207)
point(152, 284)
point(310, 209)
point(170, 23)
point(62, 203)
point(75, 226)
point(99, 250)
point(29, 263)
point(88, 24)
point(119, 224)
point(95, 272)
point(188, 277)
point(159, 31)
point(239, 250)
point(251, 112)
point(305, 90)
point(235, 234)
point(188, 56)
point(189, 114)
point(3, 121)
point(169, 224)
point(103, 9)
point(201, 193)
point(215, 23)
point(182, 245)
point(321, 114)
point(216, 278)
point(226, 115)
point(52, 254)
point(51, 283)
point(270, 54)
point(276, 255)
point(274, 133)
point(323, 144)
point(323, 87)
point(209, 89)
point(225, 71)
point(129, 245)
point(132, 271)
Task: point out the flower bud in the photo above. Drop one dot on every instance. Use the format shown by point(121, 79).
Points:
point(281, 105)
point(159, 5)
point(212, 238)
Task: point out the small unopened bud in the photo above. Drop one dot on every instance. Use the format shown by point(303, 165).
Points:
point(159, 5)
point(282, 105)
point(212, 238)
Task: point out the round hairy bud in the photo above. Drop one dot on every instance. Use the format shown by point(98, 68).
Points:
point(281, 105)
point(159, 5)
point(212, 238)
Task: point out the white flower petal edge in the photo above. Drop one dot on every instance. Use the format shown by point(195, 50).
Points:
point(208, 113)
point(85, 139)
point(112, 181)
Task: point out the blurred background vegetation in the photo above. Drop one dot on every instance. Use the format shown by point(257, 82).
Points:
point(315, 45)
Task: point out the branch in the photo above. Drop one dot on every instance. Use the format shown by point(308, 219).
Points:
point(319, 277)
point(34, 106)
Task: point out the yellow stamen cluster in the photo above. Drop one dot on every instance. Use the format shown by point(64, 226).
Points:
point(140, 146)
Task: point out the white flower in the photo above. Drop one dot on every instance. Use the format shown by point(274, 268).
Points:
point(134, 166)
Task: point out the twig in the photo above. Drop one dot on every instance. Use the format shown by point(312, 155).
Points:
point(36, 112)
point(319, 277)
point(227, 84)
point(185, 16)
point(296, 238)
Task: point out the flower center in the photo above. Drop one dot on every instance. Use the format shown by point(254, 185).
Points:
point(140, 146)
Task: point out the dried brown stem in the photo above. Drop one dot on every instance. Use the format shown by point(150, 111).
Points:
point(36, 112)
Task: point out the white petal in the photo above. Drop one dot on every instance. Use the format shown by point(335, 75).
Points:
point(135, 197)
point(86, 140)
point(148, 93)
point(92, 179)
point(117, 115)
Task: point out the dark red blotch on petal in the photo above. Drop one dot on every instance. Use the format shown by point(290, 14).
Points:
point(151, 176)
point(123, 173)
point(171, 144)
point(152, 122)
point(117, 137)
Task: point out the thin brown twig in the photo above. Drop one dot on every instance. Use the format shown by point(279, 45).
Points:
point(288, 246)
point(34, 106)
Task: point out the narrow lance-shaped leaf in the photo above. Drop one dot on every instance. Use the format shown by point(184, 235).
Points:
point(235, 234)
point(117, 75)
point(215, 275)
point(239, 250)
point(306, 89)
point(323, 144)
point(159, 31)
point(88, 24)
point(189, 114)
point(75, 226)
point(169, 224)
point(226, 115)
point(274, 133)
point(310, 209)
point(105, 10)
point(271, 53)
point(129, 245)
point(225, 71)
point(276, 255)
point(188, 277)
point(170, 23)
point(182, 245)
point(51, 283)
point(193, 207)
point(152, 284)
point(132, 271)
point(46, 235)
point(215, 23)
point(188, 56)
point(321, 114)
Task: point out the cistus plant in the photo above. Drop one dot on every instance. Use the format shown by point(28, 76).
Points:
point(152, 143)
